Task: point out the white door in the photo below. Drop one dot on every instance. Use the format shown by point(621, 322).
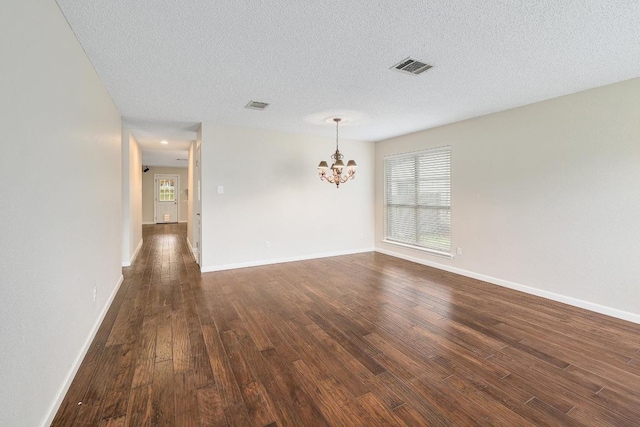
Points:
point(167, 198)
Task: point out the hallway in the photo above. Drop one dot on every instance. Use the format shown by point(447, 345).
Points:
point(359, 340)
point(141, 357)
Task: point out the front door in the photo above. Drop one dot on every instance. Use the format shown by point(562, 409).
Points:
point(167, 195)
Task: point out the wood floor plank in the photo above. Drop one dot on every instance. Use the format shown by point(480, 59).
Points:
point(121, 325)
point(257, 407)
point(494, 412)
point(429, 413)
point(278, 396)
point(353, 345)
point(355, 340)
point(145, 353)
point(139, 407)
point(254, 328)
point(163, 403)
point(590, 414)
point(114, 422)
point(186, 412)
point(221, 367)
point(237, 415)
point(305, 409)
point(331, 405)
point(210, 407)
point(164, 338)
point(553, 415)
point(98, 392)
point(180, 344)
point(377, 411)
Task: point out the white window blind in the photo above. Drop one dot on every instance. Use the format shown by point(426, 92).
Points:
point(418, 199)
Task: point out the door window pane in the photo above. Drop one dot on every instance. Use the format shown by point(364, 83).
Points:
point(167, 190)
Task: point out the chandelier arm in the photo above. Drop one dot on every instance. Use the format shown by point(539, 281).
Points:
point(350, 175)
point(328, 178)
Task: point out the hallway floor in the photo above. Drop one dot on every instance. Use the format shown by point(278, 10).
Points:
point(359, 340)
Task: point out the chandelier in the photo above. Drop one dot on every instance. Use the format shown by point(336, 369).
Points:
point(337, 167)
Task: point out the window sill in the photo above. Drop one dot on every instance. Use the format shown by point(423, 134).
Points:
point(418, 248)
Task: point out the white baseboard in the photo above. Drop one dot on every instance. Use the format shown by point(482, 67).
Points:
point(53, 409)
point(194, 251)
point(613, 312)
point(135, 254)
point(281, 260)
point(137, 251)
point(154, 223)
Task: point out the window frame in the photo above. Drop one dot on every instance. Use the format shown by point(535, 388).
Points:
point(414, 155)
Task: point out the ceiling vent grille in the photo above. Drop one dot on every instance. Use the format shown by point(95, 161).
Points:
point(411, 66)
point(255, 105)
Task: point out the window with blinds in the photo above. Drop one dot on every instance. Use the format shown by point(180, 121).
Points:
point(418, 199)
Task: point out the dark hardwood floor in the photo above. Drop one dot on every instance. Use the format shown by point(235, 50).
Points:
point(361, 340)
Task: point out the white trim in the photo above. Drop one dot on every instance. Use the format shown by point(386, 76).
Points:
point(281, 260)
point(440, 148)
point(149, 223)
point(194, 251)
point(53, 409)
point(608, 311)
point(135, 254)
point(419, 248)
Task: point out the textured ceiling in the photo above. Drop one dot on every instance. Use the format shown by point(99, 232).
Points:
point(149, 133)
point(191, 61)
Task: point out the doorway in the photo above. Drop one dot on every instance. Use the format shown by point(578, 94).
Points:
point(198, 207)
point(167, 198)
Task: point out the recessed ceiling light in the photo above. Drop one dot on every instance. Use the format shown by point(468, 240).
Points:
point(163, 142)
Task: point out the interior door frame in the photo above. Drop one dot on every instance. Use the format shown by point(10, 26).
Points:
point(155, 195)
point(198, 198)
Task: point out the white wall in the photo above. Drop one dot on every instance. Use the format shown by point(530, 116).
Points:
point(544, 196)
point(272, 193)
point(131, 198)
point(61, 219)
point(148, 188)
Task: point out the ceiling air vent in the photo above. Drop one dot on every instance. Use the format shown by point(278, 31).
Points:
point(255, 105)
point(411, 66)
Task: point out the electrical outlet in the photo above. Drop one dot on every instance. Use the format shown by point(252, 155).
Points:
point(459, 251)
point(267, 244)
point(362, 235)
point(95, 292)
point(220, 189)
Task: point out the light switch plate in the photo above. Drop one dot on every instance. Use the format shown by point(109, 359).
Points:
point(220, 189)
